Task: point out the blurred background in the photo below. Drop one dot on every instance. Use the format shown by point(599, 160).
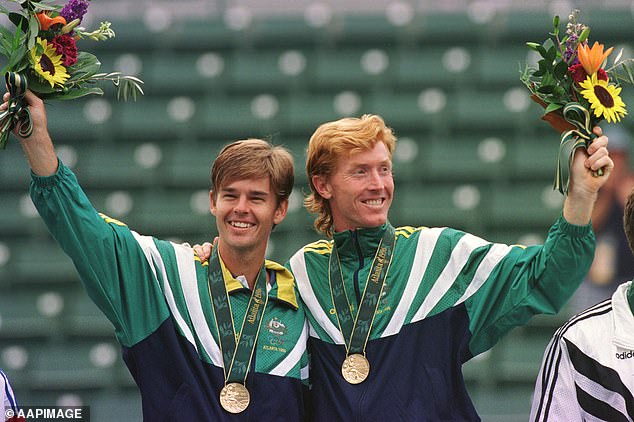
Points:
point(472, 154)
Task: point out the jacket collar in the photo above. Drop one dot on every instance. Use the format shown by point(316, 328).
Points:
point(281, 285)
point(365, 241)
point(623, 317)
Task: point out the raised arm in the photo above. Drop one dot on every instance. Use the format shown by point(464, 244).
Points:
point(584, 186)
point(38, 147)
point(115, 264)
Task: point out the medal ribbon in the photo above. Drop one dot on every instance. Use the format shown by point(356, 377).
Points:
point(17, 114)
point(582, 136)
point(357, 332)
point(236, 356)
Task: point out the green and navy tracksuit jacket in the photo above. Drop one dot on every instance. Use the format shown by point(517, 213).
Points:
point(156, 295)
point(448, 296)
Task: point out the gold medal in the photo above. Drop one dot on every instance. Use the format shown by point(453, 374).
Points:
point(355, 368)
point(234, 397)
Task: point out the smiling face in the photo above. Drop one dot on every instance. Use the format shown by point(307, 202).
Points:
point(246, 211)
point(360, 189)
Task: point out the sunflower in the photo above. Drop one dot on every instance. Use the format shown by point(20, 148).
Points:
point(603, 98)
point(47, 63)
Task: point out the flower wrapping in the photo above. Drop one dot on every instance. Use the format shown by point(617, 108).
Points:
point(42, 55)
point(576, 88)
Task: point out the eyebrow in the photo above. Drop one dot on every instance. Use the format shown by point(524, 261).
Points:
point(250, 193)
point(365, 165)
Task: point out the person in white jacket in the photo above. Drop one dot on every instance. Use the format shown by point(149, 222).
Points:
point(7, 399)
point(587, 372)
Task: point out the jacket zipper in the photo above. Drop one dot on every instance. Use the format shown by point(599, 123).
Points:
point(357, 287)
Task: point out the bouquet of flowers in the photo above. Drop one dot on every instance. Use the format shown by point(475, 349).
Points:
point(577, 89)
point(42, 55)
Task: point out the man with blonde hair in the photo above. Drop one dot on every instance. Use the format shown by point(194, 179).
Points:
point(396, 311)
point(223, 341)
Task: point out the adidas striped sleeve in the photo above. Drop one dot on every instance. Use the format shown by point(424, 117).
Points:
point(587, 373)
point(7, 398)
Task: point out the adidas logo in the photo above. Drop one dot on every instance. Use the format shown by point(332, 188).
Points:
point(625, 355)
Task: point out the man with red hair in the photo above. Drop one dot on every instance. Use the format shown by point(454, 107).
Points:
point(396, 311)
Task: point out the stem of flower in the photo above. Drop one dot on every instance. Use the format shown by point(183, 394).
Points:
point(620, 63)
point(559, 46)
point(90, 79)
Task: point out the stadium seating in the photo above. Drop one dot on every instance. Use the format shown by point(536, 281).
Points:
point(22, 318)
point(472, 154)
point(74, 366)
point(82, 319)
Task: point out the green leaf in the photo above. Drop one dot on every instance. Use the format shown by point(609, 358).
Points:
point(86, 66)
point(560, 70)
point(16, 53)
point(551, 54)
point(34, 29)
point(552, 107)
point(17, 56)
point(85, 61)
point(6, 35)
point(533, 46)
point(549, 79)
point(546, 89)
point(556, 25)
point(39, 86)
point(549, 43)
point(131, 86)
point(541, 50)
point(560, 93)
point(629, 73)
point(541, 70)
point(18, 19)
point(18, 39)
point(618, 56)
point(79, 92)
point(584, 34)
point(42, 7)
point(50, 3)
point(6, 41)
point(545, 65)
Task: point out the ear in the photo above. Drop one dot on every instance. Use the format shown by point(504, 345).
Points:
point(212, 202)
point(322, 186)
point(280, 212)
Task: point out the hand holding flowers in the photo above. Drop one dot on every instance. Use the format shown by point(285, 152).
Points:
point(42, 56)
point(576, 88)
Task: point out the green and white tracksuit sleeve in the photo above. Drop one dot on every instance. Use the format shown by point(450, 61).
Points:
point(527, 281)
point(111, 263)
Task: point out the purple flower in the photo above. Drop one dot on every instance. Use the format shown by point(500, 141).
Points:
point(74, 9)
point(570, 56)
point(571, 52)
